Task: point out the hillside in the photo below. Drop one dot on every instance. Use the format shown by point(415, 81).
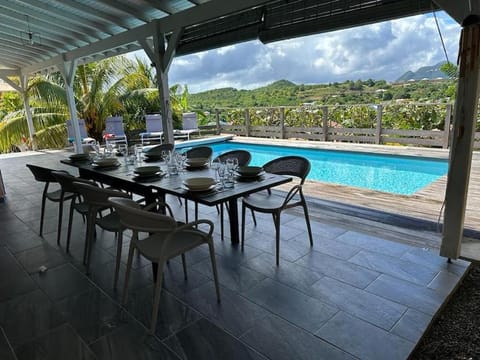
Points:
point(287, 93)
point(425, 72)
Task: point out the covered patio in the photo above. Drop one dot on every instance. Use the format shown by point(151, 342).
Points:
point(355, 294)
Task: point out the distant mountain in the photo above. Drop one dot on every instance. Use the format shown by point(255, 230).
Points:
point(425, 72)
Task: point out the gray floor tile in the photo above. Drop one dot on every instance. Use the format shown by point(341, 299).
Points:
point(364, 340)
point(203, 340)
point(373, 243)
point(407, 293)
point(288, 273)
point(234, 313)
point(395, 267)
point(131, 342)
point(6, 350)
point(278, 339)
point(339, 269)
point(58, 344)
point(63, 281)
point(412, 325)
point(14, 280)
point(43, 255)
point(360, 303)
point(335, 248)
point(92, 314)
point(431, 259)
point(444, 282)
point(292, 305)
point(28, 316)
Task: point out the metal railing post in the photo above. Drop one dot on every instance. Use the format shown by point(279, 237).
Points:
point(378, 133)
point(282, 123)
point(247, 122)
point(325, 122)
point(446, 128)
point(217, 120)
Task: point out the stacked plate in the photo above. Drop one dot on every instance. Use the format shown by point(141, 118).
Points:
point(106, 162)
point(147, 171)
point(249, 171)
point(196, 162)
point(199, 184)
point(79, 157)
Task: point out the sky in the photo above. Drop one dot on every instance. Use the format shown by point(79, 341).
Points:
point(382, 51)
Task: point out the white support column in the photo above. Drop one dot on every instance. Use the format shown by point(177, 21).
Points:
point(22, 89)
point(162, 57)
point(68, 69)
point(463, 138)
point(28, 111)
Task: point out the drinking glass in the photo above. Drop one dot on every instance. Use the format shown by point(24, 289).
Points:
point(123, 149)
point(138, 152)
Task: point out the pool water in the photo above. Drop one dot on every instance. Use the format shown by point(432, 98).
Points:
point(404, 175)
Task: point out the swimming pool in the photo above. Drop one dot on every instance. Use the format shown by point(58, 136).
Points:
point(403, 175)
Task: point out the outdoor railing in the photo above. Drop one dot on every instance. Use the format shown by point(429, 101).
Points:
point(400, 124)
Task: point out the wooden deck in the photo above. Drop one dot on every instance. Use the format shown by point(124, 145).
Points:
point(424, 205)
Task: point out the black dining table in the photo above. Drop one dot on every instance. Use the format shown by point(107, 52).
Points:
point(156, 187)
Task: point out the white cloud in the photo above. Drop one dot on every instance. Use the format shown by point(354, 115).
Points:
point(378, 51)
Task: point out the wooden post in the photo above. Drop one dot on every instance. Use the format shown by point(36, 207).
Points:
point(217, 121)
point(247, 122)
point(446, 128)
point(282, 123)
point(378, 133)
point(463, 136)
point(325, 122)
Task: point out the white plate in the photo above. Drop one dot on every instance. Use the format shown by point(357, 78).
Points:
point(146, 170)
point(199, 183)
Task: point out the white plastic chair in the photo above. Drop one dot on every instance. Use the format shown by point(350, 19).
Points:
point(189, 126)
point(154, 128)
point(166, 239)
point(86, 140)
point(114, 132)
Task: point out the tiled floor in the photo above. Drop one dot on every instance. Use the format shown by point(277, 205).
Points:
point(353, 295)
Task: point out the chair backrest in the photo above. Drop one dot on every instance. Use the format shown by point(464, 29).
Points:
point(289, 165)
point(199, 152)
point(243, 157)
point(153, 123)
point(134, 218)
point(114, 125)
point(83, 129)
point(95, 196)
point(42, 174)
point(67, 180)
point(189, 121)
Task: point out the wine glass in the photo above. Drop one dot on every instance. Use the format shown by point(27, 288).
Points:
point(123, 149)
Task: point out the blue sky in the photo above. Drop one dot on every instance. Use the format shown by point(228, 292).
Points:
point(378, 51)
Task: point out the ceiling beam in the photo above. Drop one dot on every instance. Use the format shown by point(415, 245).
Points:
point(127, 9)
point(459, 10)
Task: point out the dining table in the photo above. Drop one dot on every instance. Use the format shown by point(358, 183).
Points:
point(122, 176)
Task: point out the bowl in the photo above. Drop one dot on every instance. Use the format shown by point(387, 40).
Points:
point(79, 157)
point(249, 170)
point(106, 162)
point(146, 170)
point(199, 183)
point(196, 162)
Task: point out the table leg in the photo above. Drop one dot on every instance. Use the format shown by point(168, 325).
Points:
point(233, 215)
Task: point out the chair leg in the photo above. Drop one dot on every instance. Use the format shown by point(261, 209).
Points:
point(70, 218)
point(42, 213)
point(60, 217)
point(253, 217)
point(91, 225)
point(127, 273)
point(156, 299)
point(307, 220)
point(221, 221)
point(214, 269)
point(184, 263)
point(276, 220)
point(119, 257)
point(186, 210)
point(243, 224)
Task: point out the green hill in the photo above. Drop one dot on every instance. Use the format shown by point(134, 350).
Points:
point(287, 93)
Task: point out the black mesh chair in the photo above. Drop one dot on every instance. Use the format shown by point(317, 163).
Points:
point(44, 175)
point(295, 166)
point(243, 157)
point(199, 152)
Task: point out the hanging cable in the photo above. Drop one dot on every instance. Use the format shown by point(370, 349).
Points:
point(441, 37)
